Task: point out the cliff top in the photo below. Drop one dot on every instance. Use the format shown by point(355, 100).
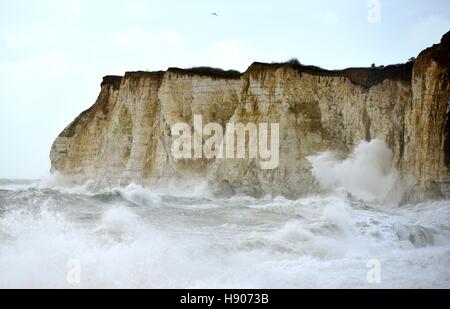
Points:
point(113, 80)
point(439, 52)
point(209, 72)
point(366, 77)
point(139, 74)
point(363, 76)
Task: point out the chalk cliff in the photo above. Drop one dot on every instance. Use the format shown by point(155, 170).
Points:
point(126, 135)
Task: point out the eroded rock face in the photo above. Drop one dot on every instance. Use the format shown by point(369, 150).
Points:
point(427, 123)
point(125, 136)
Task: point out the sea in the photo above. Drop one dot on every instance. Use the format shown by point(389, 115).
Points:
point(354, 234)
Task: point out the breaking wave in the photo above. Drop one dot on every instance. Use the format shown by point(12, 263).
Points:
point(134, 237)
point(366, 173)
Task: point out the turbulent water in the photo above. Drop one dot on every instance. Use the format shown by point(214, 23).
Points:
point(135, 238)
point(355, 236)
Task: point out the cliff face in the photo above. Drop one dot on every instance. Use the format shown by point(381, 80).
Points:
point(427, 125)
point(126, 135)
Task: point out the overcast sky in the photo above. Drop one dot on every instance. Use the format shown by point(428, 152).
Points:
point(53, 54)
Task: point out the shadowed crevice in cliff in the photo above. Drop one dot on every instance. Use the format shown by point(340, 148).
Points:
point(444, 98)
point(447, 143)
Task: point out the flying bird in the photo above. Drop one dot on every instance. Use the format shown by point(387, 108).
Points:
point(215, 14)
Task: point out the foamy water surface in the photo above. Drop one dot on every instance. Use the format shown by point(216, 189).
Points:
point(135, 238)
point(354, 236)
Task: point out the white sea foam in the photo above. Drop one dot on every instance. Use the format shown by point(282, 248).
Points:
point(317, 241)
point(136, 237)
point(366, 173)
point(139, 195)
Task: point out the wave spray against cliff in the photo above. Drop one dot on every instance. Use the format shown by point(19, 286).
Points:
point(366, 173)
point(138, 238)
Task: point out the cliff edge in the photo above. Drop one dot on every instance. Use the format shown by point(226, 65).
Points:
point(126, 135)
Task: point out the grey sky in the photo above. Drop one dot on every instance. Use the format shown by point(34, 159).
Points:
point(54, 53)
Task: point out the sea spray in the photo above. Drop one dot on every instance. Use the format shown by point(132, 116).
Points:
point(366, 173)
